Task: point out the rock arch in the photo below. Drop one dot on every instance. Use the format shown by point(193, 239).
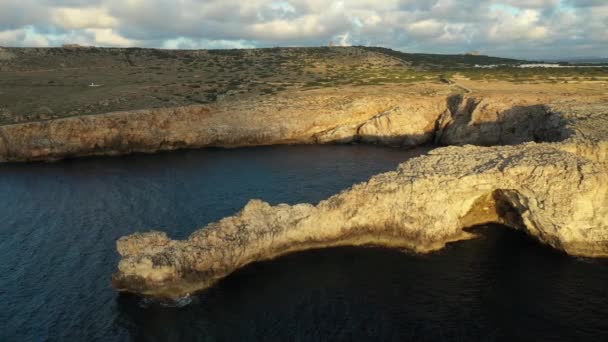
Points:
point(557, 197)
point(504, 206)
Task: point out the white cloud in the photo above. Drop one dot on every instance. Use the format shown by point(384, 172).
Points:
point(529, 3)
point(82, 18)
point(524, 28)
point(107, 37)
point(523, 25)
point(23, 37)
point(426, 28)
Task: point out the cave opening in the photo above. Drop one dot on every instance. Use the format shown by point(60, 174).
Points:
point(501, 206)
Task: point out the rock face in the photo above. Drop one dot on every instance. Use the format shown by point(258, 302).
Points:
point(499, 121)
point(6, 54)
point(410, 123)
point(376, 115)
point(308, 117)
point(550, 179)
point(409, 126)
point(364, 115)
point(556, 196)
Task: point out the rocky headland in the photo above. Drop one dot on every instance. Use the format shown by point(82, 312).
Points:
point(537, 167)
point(555, 196)
point(525, 149)
point(394, 116)
point(366, 114)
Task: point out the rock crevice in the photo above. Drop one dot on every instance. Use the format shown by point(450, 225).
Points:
point(478, 121)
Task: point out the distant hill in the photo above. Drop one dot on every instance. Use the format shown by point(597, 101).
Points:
point(581, 60)
point(45, 83)
point(76, 55)
point(444, 61)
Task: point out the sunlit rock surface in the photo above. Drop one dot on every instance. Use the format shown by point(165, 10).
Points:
point(330, 116)
point(377, 115)
point(555, 189)
point(556, 192)
point(540, 165)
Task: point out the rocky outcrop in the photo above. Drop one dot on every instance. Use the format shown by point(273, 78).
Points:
point(556, 191)
point(499, 121)
point(370, 115)
point(396, 116)
point(308, 117)
point(556, 196)
point(411, 123)
point(6, 55)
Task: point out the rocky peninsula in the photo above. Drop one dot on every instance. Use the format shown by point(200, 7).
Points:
point(549, 178)
point(530, 154)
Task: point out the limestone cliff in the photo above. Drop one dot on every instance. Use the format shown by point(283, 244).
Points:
point(549, 178)
point(555, 196)
point(555, 190)
point(397, 116)
point(369, 115)
point(499, 120)
point(306, 117)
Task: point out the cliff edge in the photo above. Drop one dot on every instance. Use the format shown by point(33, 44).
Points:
point(549, 178)
point(555, 196)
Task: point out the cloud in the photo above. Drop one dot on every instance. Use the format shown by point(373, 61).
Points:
point(425, 28)
point(107, 37)
point(523, 25)
point(530, 3)
point(23, 37)
point(82, 18)
point(585, 3)
point(515, 28)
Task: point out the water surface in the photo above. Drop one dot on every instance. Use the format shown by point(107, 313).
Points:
point(59, 223)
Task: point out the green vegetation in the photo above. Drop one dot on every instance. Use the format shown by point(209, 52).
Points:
point(443, 61)
point(146, 78)
point(513, 74)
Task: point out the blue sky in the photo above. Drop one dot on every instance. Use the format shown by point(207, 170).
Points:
point(512, 28)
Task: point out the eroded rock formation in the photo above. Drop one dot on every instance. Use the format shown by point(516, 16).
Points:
point(550, 179)
point(376, 115)
point(308, 117)
point(370, 115)
point(556, 196)
point(499, 121)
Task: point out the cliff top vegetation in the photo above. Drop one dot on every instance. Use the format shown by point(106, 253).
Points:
point(46, 83)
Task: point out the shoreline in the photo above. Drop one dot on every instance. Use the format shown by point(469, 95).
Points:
point(475, 185)
point(371, 115)
point(533, 162)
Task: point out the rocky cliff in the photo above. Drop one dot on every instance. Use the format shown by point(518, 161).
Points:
point(555, 196)
point(369, 115)
point(396, 116)
point(555, 189)
point(540, 165)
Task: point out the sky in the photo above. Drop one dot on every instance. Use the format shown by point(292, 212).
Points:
point(511, 28)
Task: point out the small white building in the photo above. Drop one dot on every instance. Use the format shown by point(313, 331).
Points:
point(540, 65)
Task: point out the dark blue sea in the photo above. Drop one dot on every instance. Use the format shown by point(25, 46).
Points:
point(59, 223)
